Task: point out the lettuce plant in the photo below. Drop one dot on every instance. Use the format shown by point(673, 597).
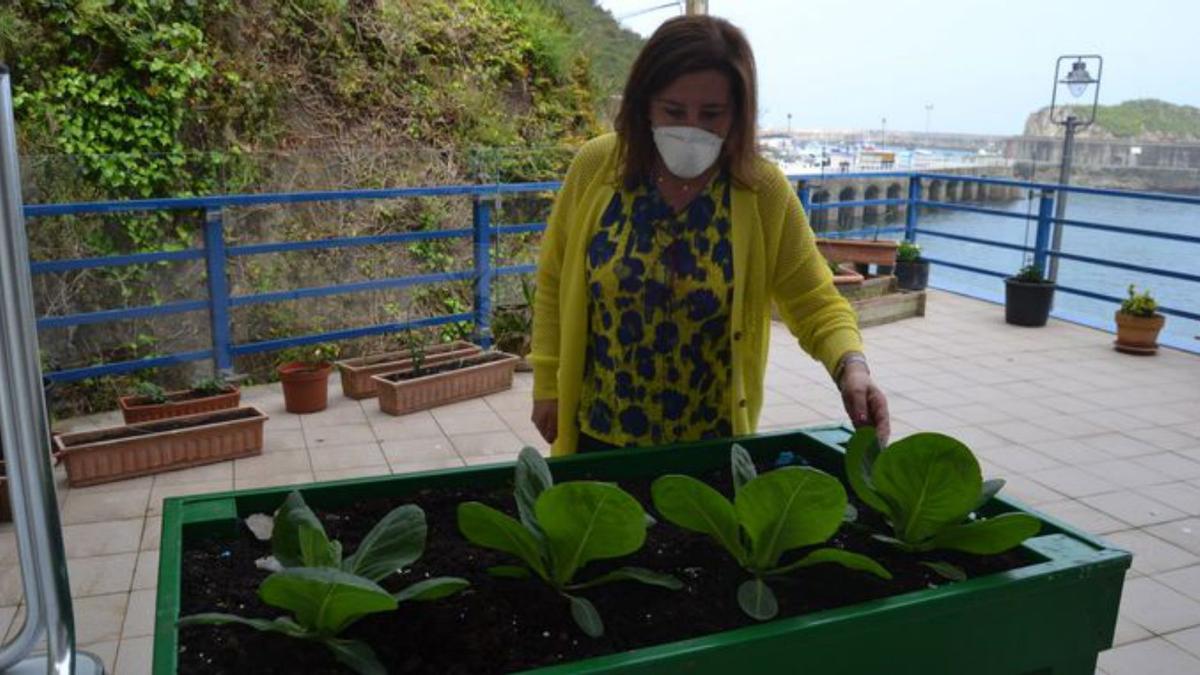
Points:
point(560, 529)
point(325, 592)
point(928, 487)
point(771, 514)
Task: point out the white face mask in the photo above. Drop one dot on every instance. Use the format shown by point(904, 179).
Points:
point(687, 151)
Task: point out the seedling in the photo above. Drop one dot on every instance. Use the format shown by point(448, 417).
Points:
point(327, 593)
point(1139, 304)
point(210, 386)
point(313, 356)
point(771, 514)
point(1030, 274)
point(929, 489)
point(150, 392)
point(561, 529)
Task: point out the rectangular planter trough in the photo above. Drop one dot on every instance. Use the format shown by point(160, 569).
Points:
point(357, 373)
point(478, 375)
point(177, 404)
point(1051, 616)
point(117, 453)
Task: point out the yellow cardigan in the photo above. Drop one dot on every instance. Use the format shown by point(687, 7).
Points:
point(774, 258)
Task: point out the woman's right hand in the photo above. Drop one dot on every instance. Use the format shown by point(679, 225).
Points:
point(545, 418)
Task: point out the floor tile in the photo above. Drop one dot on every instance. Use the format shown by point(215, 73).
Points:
point(1127, 473)
point(1186, 581)
point(417, 450)
point(1181, 496)
point(1155, 656)
point(134, 656)
point(161, 492)
point(354, 434)
point(406, 427)
point(1182, 533)
point(275, 480)
point(353, 472)
point(1157, 607)
point(151, 533)
point(271, 464)
point(1073, 481)
point(475, 445)
point(139, 615)
point(332, 458)
point(1132, 508)
point(121, 536)
point(1188, 640)
point(101, 575)
point(1080, 515)
point(84, 506)
point(145, 573)
point(1152, 555)
point(459, 423)
point(99, 618)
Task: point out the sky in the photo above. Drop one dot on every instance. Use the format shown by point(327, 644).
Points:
point(984, 65)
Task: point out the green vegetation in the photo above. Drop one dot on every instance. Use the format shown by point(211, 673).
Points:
point(786, 509)
point(561, 529)
point(325, 592)
point(1146, 118)
point(1030, 274)
point(1139, 304)
point(929, 489)
point(148, 392)
point(908, 252)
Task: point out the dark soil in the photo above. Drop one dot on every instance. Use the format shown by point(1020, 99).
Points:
point(505, 625)
point(445, 367)
point(178, 397)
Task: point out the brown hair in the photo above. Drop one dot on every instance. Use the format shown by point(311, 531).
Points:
point(680, 46)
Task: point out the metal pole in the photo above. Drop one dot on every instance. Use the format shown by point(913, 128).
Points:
point(1060, 206)
point(805, 194)
point(25, 436)
point(1042, 241)
point(218, 293)
point(482, 239)
point(910, 216)
point(697, 7)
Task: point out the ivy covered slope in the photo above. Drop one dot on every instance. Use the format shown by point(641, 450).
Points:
point(124, 99)
point(1145, 119)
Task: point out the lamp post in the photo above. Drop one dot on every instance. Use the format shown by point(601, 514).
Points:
point(928, 110)
point(697, 7)
point(1077, 82)
point(882, 133)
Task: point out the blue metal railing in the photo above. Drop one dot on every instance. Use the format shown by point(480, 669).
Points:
point(216, 255)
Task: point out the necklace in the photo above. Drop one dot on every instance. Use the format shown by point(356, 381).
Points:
point(683, 187)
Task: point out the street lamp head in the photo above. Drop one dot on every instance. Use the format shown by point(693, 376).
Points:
point(1078, 79)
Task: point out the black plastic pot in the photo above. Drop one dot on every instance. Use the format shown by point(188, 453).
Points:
point(1026, 303)
point(912, 275)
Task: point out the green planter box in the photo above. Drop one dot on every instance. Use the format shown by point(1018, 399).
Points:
point(1050, 617)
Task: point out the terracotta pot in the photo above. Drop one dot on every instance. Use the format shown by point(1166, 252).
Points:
point(847, 277)
point(178, 403)
point(357, 373)
point(305, 387)
point(856, 251)
point(478, 375)
point(1138, 334)
point(118, 453)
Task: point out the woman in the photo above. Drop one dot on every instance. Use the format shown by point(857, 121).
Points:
point(665, 248)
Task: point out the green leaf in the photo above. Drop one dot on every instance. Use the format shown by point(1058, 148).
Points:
point(396, 541)
point(532, 479)
point(847, 559)
point(484, 526)
point(509, 571)
point(358, 656)
point(989, 490)
point(743, 467)
point(695, 506)
point(588, 520)
point(284, 625)
point(947, 570)
point(987, 537)
point(932, 479)
point(788, 508)
point(291, 517)
point(586, 616)
point(315, 548)
point(757, 600)
point(432, 589)
point(324, 600)
point(641, 574)
point(861, 453)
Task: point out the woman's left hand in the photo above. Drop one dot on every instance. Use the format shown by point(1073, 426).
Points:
point(864, 401)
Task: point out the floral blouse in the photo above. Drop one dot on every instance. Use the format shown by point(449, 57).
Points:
point(660, 295)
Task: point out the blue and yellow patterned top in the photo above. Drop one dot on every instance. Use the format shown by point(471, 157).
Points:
point(660, 295)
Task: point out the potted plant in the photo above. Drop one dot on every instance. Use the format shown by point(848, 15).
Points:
point(912, 271)
point(758, 544)
point(843, 276)
point(1138, 324)
point(425, 386)
point(356, 373)
point(304, 373)
point(148, 401)
point(118, 453)
point(1028, 297)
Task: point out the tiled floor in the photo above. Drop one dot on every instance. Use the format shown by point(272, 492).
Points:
point(1108, 442)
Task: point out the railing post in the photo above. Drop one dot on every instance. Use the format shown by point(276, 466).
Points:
point(805, 193)
point(218, 291)
point(481, 222)
point(911, 211)
point(1041, 246)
